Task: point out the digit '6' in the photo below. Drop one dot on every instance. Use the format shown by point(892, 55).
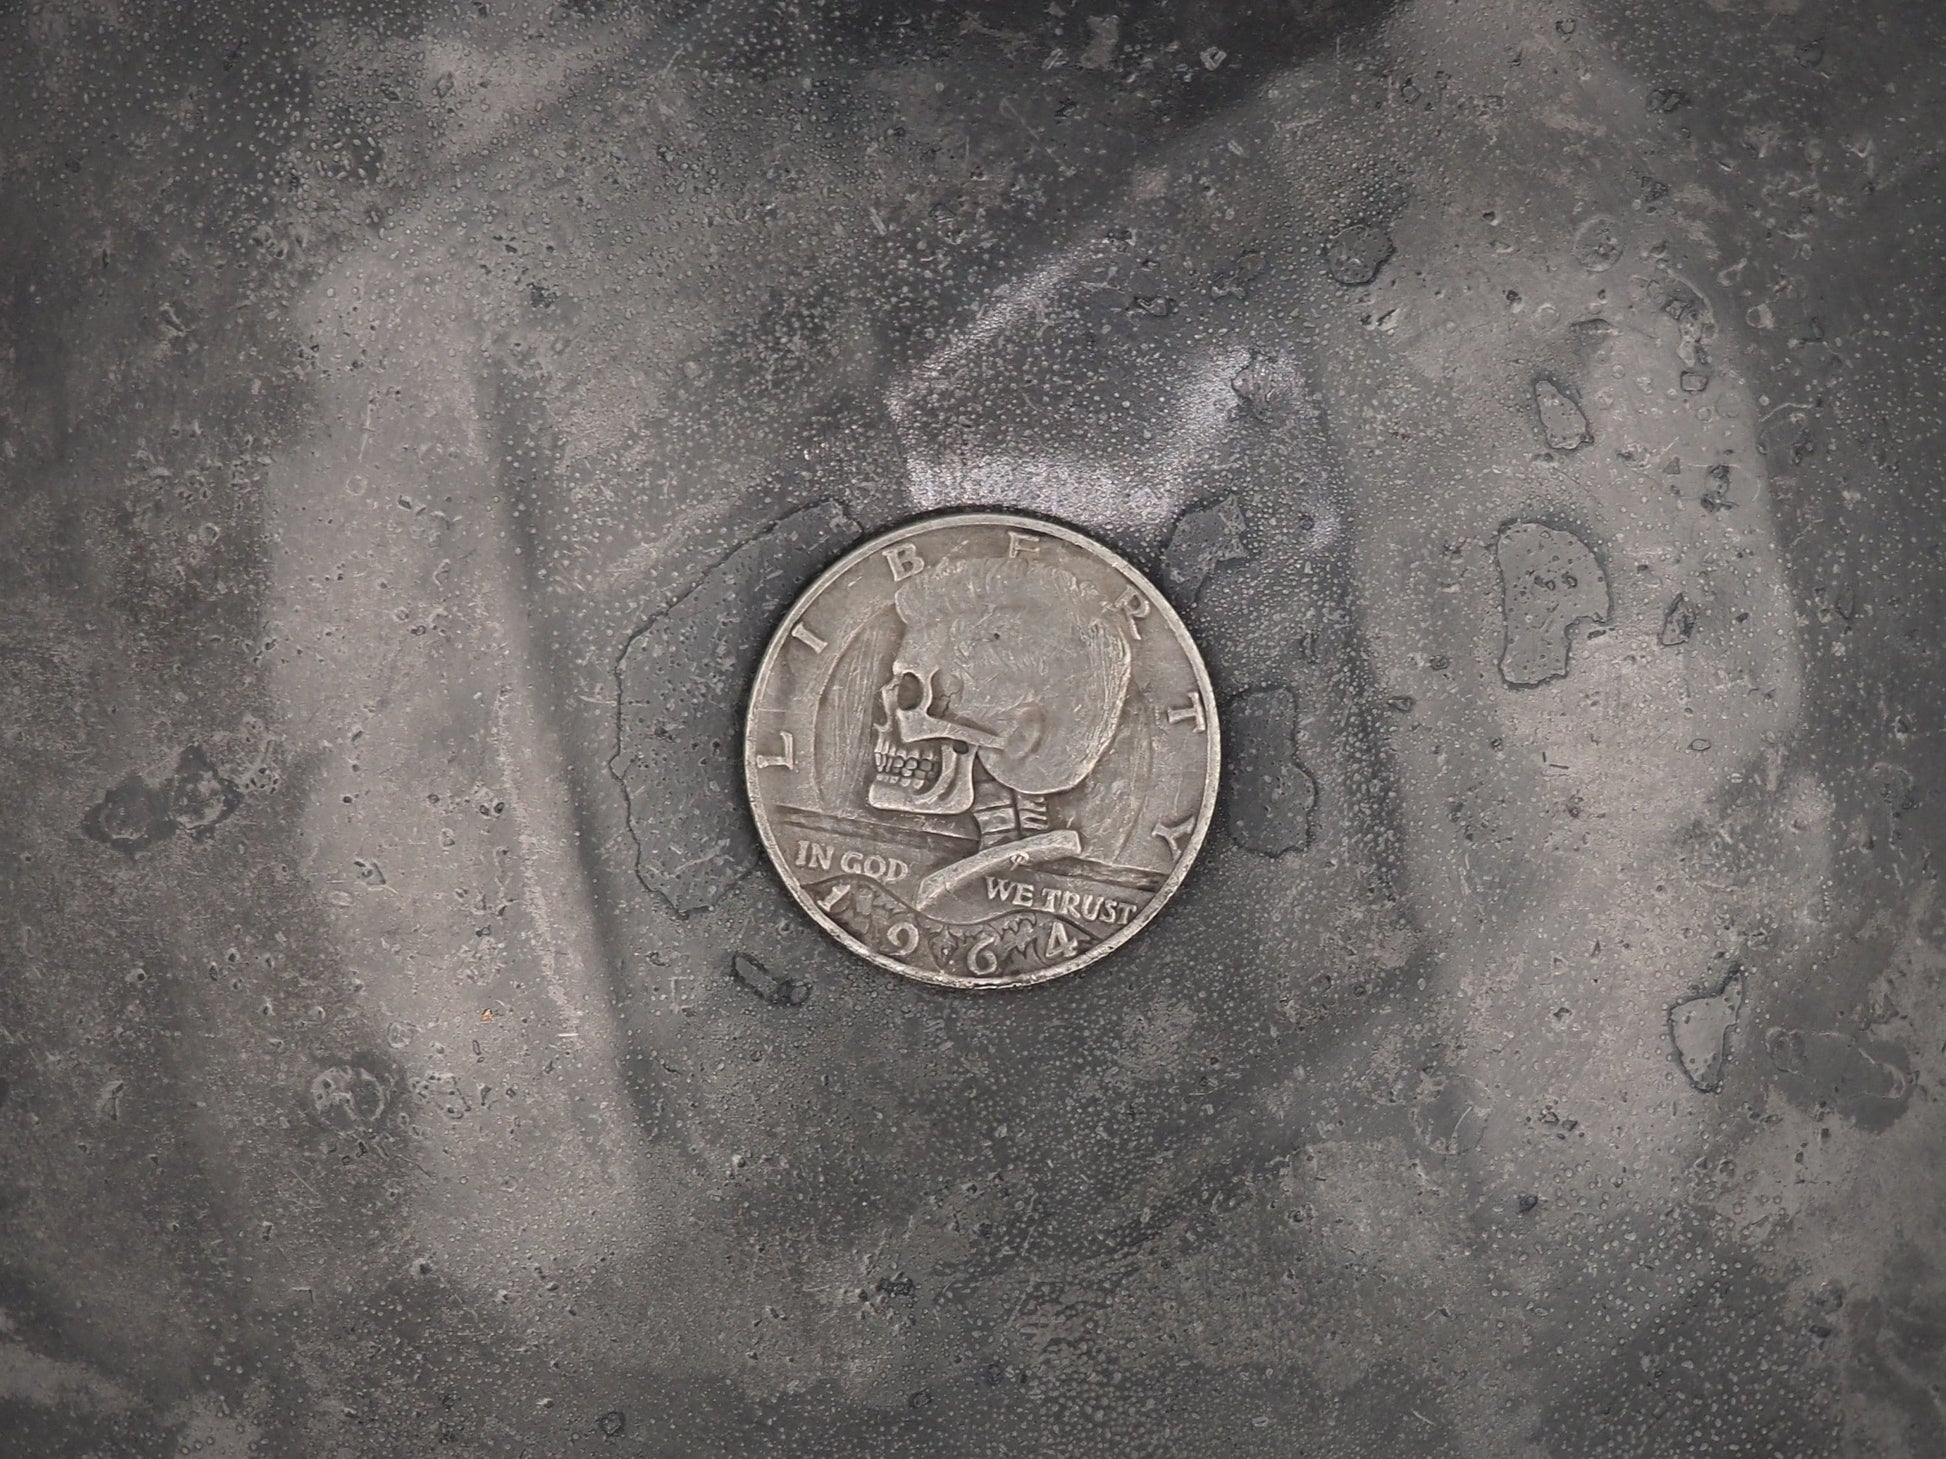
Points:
point(980, 961)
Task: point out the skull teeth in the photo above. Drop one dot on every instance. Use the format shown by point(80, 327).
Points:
point(909, 767)
point(929, 778)
point(896, 763)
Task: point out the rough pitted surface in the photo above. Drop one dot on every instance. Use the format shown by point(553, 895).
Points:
point(377, 378)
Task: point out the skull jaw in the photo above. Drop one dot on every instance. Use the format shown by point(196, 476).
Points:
point(950, 794)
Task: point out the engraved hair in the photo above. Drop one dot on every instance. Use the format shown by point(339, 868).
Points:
point(1026, 632)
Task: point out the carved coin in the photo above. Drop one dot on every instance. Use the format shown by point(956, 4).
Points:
point(982, 750)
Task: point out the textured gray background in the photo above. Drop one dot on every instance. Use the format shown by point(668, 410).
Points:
point(412, 419)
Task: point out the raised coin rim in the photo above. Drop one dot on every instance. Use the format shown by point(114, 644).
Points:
point(1205, 815)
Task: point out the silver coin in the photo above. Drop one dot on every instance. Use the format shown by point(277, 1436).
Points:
point(982, 750)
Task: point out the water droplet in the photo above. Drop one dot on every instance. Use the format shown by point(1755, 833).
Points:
point(1357, 254)
point(1597, 244)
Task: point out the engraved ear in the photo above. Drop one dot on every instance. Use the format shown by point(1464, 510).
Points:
point(1027, 732)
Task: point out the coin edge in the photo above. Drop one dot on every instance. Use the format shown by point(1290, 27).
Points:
point(1206, 812)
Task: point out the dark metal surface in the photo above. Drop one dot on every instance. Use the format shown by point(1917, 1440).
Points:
point(1534, 412)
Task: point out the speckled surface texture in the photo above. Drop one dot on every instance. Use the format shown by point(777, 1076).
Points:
point(411, 422)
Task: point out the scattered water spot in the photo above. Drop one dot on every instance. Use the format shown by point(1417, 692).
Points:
point(1267, 387)
point(1357, 253)
point(612, 1424)
point(1678, 623)
point(1550, 581)
point(681, 681)
point(1234, 282)
point(130, 817)
point(776, 989)
point(1203, 540)
point(1563, 423)
point(1597, 245)
point(1866, 1081)
point(1271, 795)
point(134, 815)
point(1716, 497)
point(1701, 1030)
point(1527, 1203)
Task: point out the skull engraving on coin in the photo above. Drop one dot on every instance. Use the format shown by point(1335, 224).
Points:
point(982, 750)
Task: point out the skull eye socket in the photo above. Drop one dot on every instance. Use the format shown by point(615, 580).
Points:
point(910, 691)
